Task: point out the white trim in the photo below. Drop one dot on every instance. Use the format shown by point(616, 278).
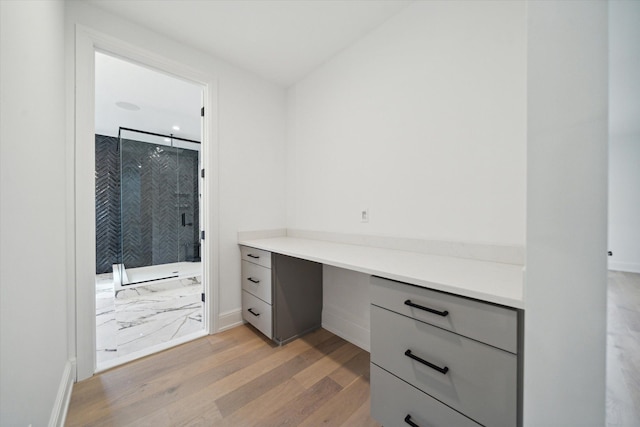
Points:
point(84, 207)
point(87, 42)
point(61, 404)
point(630, 267)
point(345, 328)
point(230, 319)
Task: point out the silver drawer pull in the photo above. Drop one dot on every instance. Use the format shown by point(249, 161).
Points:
point(430, 310)
point(253, 312)
point(407, 420)
point(253, 256)
point(424, 362)
point(252, 280)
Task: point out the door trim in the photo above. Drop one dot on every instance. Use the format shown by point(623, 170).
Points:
point(87, 41)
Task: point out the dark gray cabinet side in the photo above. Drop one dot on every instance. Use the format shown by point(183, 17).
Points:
point(297, 297)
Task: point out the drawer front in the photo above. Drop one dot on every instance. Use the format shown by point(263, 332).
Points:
point(496, 326)
point(256, 280)
point(481, 381)
point(257, 312)
point(256, 256)
point(392, 400)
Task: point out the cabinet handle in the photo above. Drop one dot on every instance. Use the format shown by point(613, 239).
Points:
point(253, 256)
point(430, 310)
point(251, 279)
point(424, 362)
point(407, 420)
point(253, 312)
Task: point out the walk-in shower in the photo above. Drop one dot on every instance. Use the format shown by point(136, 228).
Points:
point(147, 207)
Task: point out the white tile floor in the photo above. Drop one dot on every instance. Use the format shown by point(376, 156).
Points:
point(144, 316)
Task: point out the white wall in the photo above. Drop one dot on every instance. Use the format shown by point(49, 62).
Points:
point(624, 135)
point(423, 122)
point(33, 283)
point(346, 305)
point(565, 291)
point(251, 132)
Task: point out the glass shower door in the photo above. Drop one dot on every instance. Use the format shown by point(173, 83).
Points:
point(149, 209)
point(159, 208)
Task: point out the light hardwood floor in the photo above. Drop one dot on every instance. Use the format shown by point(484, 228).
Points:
point(235, 378)
point(623, 350)
point(238, 378)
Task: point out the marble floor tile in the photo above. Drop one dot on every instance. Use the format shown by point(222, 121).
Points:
point(137, 318)
point(106, 347)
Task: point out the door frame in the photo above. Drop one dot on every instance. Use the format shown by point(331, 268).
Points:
point(87, 42)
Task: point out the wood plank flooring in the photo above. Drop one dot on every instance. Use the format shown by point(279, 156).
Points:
point(235, 378)
point(238, 378)
point(623, 349)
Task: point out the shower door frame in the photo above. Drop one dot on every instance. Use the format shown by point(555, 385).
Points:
point(82, 272)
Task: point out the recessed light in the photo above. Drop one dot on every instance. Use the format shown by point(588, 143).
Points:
point(176, 127)
point(127, 106)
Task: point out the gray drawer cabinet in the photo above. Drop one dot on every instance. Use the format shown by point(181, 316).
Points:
point(257, 280)
point(281, 295)
point(256, 289)
point(395, 403)
point(443, 351)
point(256, 256)
point(258, 313)
point(491, 324)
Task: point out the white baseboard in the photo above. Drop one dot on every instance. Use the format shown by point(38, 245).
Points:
point(346, 328)
point(630, 267)
point(229, 320)
point(61, 404)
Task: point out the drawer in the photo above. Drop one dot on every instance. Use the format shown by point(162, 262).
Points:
point(491, 324)
point(256, 280)
point(393, 399)
point(257, 312)
point(480, 381)
point(256, 256)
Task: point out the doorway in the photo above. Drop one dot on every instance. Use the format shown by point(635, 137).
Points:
point(623, 325)
point(83, 244)
point(148, 285)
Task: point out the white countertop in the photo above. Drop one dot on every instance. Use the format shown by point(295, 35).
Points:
point(488, 281)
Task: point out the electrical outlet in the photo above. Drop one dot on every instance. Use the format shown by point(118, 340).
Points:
point(364, 215)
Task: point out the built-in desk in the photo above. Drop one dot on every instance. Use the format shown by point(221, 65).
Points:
point(486, 281)
point(446, 332)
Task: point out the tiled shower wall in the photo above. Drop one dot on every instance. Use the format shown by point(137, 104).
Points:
point(107, 203)
point(144, 225)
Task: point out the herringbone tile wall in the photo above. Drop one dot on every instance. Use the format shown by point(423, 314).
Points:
point(107, 203)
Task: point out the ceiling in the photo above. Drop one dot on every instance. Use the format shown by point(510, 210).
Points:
point(280, 40)
point(162, 101)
